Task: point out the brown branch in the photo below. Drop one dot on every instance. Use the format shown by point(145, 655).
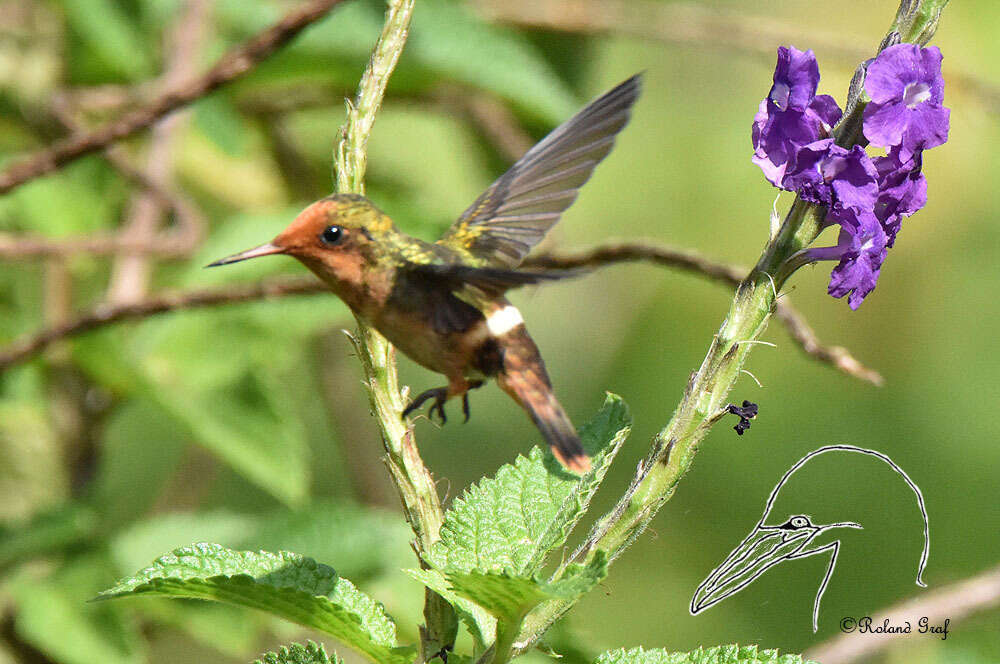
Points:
point(836, 356)
point(174, 244)
point(102, 315)
point(168, 244)
point(131, 272)
point(953, 603)
point(232, 65)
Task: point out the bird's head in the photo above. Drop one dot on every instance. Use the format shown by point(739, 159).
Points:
point(338, 238)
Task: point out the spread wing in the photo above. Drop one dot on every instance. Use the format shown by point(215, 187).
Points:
point(517, 210)
point(448, 293)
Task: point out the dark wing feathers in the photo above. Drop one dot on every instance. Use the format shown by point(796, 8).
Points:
point(492, 282)
point(517, 210)
point(447, 292)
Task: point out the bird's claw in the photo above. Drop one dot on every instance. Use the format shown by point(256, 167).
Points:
point(440, 396)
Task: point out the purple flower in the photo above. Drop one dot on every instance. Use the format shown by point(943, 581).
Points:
point(792, 115)
point(902, 190)
point(861, 249)
point(827, 174)
point(906, 90)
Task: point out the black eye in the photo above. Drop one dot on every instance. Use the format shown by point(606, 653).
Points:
point(332, 235)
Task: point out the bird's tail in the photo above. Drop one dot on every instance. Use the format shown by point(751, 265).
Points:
point(528, 384)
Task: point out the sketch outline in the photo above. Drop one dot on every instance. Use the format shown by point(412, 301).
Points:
point(734, 574)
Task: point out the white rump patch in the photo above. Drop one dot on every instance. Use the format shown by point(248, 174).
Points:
point(502, 321)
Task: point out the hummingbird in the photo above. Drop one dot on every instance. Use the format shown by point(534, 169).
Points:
point(443, 304)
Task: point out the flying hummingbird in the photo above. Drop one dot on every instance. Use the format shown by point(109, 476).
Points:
point(443, 304)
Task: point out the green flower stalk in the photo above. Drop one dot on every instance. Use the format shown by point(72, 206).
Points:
point(704, 400)
point(417, 492)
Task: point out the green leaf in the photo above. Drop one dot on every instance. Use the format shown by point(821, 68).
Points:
point(285, 584)
point(311, 653)
point(362, 542)
point(450, 39)
point(48, 532)
point(81, 198)
point(53, 615)
point(110, 35)
point(142, 541)
point(140, 451)
point(511, 522)
point(447, 41)
point(477, 620)
point(716, 655)
point(243, 422)
point(221, 123)
point(33, 474)
point(510, 597)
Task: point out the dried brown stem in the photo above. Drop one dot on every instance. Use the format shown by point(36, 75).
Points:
point(232, 65)
point(953, 603)
point(839, 358)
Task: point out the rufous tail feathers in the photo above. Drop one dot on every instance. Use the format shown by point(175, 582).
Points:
point(530, 387)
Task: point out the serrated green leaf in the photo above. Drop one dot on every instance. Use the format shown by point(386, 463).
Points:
point(510, 598)
point(512, 521)
point(361, 541)
point(716, 655)
point(285, 584)
point(481, 625)
point(311, 653)
point(136, 545)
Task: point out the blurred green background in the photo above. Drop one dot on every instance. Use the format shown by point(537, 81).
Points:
point(246, 424)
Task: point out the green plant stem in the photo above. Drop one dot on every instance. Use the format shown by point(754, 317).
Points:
point(417, 492)
point(703, 402)
point(503, 646)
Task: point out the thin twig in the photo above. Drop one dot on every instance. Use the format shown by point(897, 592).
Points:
point(838, 357)
point(176, 243)
point(131, 272)
point(103, 315)
point(232, 65)
point(953, 603)
point(600, 256)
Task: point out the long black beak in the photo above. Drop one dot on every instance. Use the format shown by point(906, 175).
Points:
point(263, 250)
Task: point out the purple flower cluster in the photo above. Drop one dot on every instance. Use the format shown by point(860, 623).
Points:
point(867, 197)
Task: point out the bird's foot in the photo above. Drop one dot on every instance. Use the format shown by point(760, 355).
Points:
point(440, 396)
point(465, 398)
